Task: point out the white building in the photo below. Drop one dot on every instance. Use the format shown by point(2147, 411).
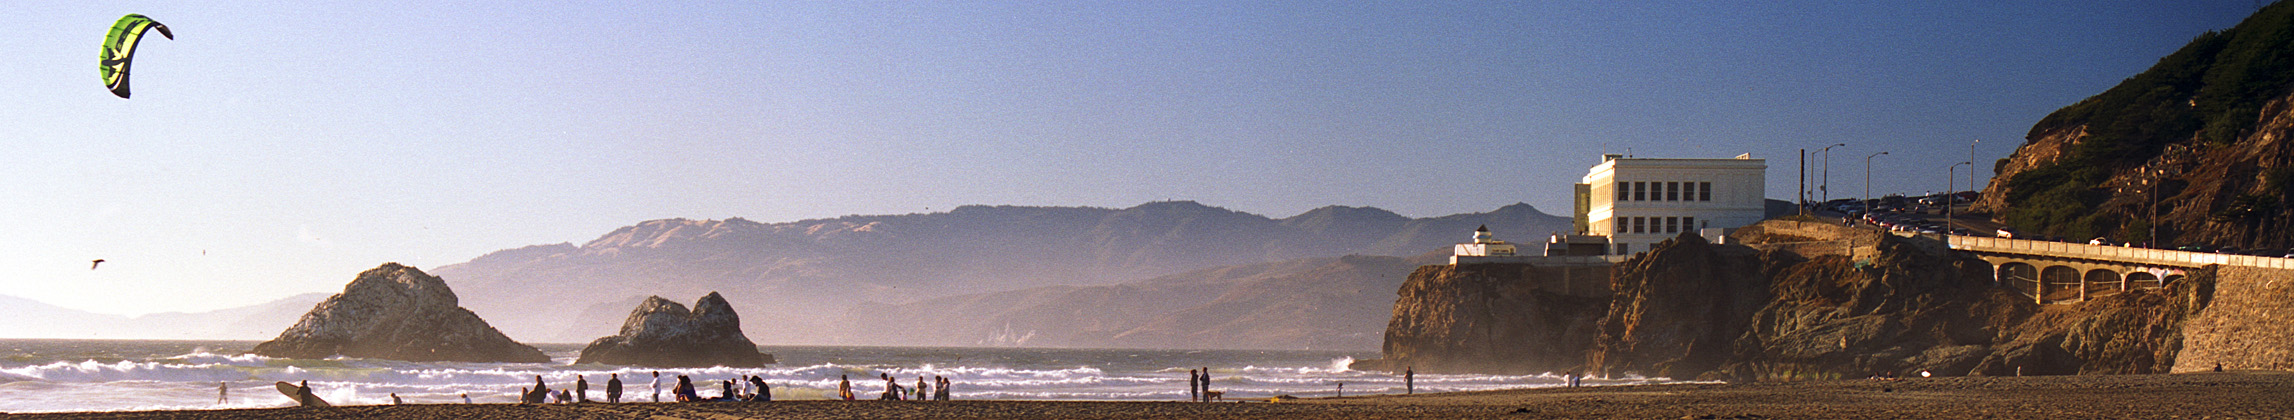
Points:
point(1638, 202)
point(1484, 245)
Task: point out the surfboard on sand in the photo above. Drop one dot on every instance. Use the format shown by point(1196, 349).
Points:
point(293, 392)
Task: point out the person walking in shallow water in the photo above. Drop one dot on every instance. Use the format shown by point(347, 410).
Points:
point(656, 386)
point(223, 391)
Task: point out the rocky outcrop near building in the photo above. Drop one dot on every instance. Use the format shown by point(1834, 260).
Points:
point(1791, 302)
point(661, 333)
point(2204, 138)
point(397, 312)
point(1493, 318)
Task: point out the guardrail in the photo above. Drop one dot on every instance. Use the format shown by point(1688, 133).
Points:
point(2116, 253)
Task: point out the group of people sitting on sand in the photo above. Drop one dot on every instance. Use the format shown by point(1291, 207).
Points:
point(748, 388)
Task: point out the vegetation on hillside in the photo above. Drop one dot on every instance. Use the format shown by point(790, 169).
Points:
point(2210, 92)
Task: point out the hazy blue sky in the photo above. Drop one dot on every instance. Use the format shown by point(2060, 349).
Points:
point(279, 147)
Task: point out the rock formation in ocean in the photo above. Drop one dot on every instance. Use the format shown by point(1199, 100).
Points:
point(661, 333)
point(397, 312)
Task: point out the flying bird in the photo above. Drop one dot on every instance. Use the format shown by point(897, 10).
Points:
point(92, 266)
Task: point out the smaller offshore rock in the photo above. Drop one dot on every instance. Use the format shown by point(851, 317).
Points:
point(661, 333)
point(397, 312)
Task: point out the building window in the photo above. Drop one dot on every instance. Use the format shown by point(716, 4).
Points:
point(1689, 191)
point(1640, 191)
point(1672, 191)
point(1689, 223)
point(1620, 225)
point(1621, 249)
point(1620, 187)
point(1672, 225)
point(1704, 191)
point(1640, 224)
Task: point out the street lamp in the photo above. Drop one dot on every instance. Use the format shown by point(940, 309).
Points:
point(1868, 177)
point(1826, 186)
point(1951, 176)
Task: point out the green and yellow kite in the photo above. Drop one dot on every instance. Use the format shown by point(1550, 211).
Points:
point(119, 49)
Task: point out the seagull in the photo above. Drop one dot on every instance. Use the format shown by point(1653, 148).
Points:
point(98, 261)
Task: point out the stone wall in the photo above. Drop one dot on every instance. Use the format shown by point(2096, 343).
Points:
point(2248, 325)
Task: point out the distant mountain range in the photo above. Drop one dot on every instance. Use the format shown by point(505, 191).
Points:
point(825, 281)
point(255, 322)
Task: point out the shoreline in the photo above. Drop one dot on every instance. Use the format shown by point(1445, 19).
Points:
point(2246, 394)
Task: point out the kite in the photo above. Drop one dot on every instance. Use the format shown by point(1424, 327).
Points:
point(119, 49)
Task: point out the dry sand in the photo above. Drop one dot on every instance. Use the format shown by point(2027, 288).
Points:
point(2205, 395)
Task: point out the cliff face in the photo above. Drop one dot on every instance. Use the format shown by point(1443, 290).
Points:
point(2201, 138)
point(1491, 318)
point(397, 312)
point(1688, 309)
point(1913, 306)
point(661, 333)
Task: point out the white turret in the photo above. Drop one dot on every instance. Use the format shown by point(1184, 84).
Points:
point(1484, 245)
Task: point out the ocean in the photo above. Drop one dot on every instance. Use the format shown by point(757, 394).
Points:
point(117, 375)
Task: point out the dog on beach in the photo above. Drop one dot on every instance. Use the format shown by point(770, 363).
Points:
point(1214, 395)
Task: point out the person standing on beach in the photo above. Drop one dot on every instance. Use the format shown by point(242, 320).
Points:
point(1194, 385)
point(844, 386)
point(581, 388)
point(613, 389)
point(1206, 384)
point(223, 390)
point(303, 394)
point(656, 386)
point(1410, 380)
point(923, 391)
point(942, 391)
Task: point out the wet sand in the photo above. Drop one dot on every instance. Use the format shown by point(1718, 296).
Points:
point(2239, 395)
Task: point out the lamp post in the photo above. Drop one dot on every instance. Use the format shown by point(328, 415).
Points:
point(1949, 178)
point(1868, 177)
point(1826, 185)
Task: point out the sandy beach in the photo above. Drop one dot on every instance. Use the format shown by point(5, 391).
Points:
point(2203, 395)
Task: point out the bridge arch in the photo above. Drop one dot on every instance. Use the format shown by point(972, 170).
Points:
point(2020, 277)
point(2060, 283)
point(2102, 282)
point(2141, 280)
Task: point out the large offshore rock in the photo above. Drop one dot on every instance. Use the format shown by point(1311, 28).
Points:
point(397, 312)
point(661, 333)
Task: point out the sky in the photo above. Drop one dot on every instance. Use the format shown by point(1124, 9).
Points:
point(280, 147)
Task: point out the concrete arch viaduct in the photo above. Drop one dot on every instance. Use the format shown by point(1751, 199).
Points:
point(2062, 273)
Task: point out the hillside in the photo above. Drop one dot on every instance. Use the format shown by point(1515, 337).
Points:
point(2201, 138)
point(1312, 303)
point(799, 275)
point(252, 322)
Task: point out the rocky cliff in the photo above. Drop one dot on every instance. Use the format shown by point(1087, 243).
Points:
point(2205, 139)
point(1805, 307)
point(1493, 318)
point(397, 312)
point(661, 333)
